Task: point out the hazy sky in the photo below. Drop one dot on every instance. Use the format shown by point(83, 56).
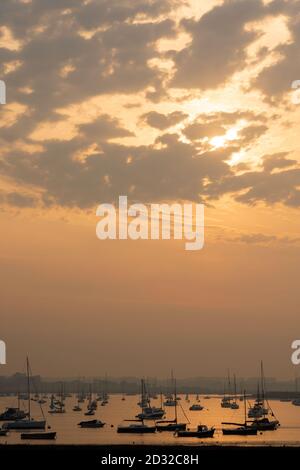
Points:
point(161, 100)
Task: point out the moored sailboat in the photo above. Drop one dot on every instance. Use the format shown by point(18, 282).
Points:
point(139, 427)
point(242, 429)
point(28, 422)
point(148, 411)
point(171, 425)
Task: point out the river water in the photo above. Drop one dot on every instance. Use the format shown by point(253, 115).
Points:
point(68, 431)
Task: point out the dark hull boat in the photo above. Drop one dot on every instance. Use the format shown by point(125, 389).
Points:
point(12, 414)
point(151, 413)
point(201, 432)
point(94, 423)
point(25, 424)
point(241, 431)
point(171, 426)
point(39, 436)
point(136, 429)
point(265, 424)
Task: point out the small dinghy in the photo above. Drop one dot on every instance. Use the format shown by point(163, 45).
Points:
point(196, 407)
point(77, 408)
point(94, 423)
point(3, 432)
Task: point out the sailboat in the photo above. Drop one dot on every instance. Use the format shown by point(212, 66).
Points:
point(57, 406)
point(234, 405)
point(148, 411)
point(262, 422)
point(170, 401)
point(92, 404)
point(77, 407)
point(196, 406)
point(27, 423)
point(226, 400)
point(13, 414)
point(296, 401)
point(105, 395)
point(136, 428)
point(137, 425)
point(243, 429)
point(171, 425)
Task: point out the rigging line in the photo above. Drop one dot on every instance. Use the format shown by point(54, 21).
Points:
point(184, 414)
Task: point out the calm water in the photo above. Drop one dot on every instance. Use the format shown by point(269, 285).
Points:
point(112, 414)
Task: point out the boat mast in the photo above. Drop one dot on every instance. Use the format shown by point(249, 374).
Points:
point(175, 397)
point(28, 388)
point(234, 388)
point(229, 384)
point(262, 384)
point(245, 408)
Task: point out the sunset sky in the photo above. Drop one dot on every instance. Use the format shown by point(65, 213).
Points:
point(163, 101)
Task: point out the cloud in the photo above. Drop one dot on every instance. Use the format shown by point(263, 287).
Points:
point(218, 44)
point(163, 121)
point(253, 187)
point(264, 239)
point(251, 133)
point(103, 128)
point(114, 59)
point(215, 124)
point(277, 161)
point(198, 130)
point(18, 199)
point(72, 51)
point(276, 79)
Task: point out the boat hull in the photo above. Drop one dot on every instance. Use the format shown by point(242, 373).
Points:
point(172, 427)
point(91, 424)
point(132, 430)
point(20, 425)
point(240, 432)
point(268, 426)
point(199, 434)
point(39, 436)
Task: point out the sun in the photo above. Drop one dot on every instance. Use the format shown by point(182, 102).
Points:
point(218, 142)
